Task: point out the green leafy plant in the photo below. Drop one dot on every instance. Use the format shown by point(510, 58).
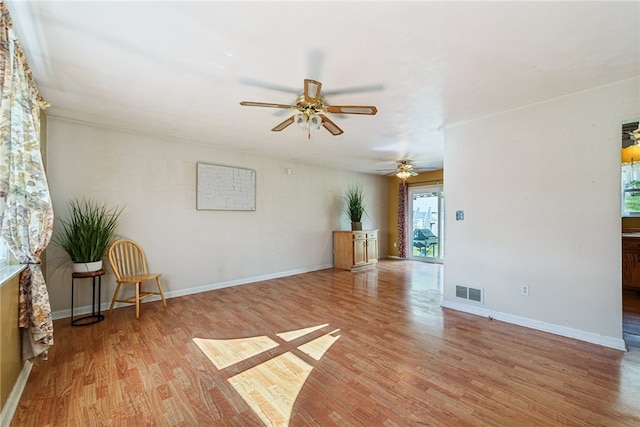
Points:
point(354, 203)
point(89, 230)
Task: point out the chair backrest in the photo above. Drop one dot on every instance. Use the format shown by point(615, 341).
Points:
point(127, 259)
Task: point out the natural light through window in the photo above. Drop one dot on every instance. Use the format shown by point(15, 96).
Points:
point(4, 255)
point(630, 165)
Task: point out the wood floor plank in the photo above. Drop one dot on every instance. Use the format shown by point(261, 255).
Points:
point(401, 360)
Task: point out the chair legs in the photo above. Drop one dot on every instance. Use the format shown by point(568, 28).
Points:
point(161, 293)
point(115, 296)
point(138, 300)
point(139, 295)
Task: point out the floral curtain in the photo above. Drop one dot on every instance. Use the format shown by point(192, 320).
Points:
point(403, 199)
point(26, 212)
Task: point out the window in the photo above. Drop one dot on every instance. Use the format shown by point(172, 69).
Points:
point(630, 179)
point(4, 255)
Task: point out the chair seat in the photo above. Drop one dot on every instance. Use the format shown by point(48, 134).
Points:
point(138, 278)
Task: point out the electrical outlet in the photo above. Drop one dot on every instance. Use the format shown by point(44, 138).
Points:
point(524, 290)
point(394, 244)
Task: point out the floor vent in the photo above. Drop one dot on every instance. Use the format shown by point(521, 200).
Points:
point(472, 294)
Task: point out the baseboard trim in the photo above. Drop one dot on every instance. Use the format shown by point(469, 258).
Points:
point(13, 399)
point(78, 311)
point(615, 343)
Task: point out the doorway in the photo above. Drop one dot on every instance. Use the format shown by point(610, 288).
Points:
point(630, 197)
point(426, 223)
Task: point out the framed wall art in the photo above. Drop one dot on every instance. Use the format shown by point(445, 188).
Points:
point(225, 188)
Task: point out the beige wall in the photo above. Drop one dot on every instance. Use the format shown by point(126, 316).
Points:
point(424, 178)
point(558, 231)
point(153, 178)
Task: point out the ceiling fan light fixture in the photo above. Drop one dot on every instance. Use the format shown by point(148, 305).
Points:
point(315, 121)
point(301, 121)
point(403, 174)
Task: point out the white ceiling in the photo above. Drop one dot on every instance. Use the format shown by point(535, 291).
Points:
point(180, 69)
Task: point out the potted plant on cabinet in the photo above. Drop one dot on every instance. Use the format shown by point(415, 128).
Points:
point(87, 233)
point(354, 206)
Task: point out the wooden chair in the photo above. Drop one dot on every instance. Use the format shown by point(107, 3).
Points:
point(130, 267)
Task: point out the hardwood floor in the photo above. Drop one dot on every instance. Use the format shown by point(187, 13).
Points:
point(400, 360)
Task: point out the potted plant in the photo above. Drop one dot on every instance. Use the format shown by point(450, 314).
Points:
point(87, 233)
point(354, 206)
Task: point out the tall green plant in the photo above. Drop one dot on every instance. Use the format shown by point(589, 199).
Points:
point(354, 203)
point(89, 230)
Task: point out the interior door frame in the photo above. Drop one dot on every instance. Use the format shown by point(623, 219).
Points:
point(439, 188)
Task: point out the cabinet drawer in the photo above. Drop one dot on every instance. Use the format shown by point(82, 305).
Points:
point(357, 235)
point(631, 244)
point(372, 235)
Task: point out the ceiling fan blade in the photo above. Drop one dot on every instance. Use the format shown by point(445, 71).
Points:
point(311, 90)
point(330, 126)
point(284, 124)
point(265, 104)
point(412, 173)
point(353, 109)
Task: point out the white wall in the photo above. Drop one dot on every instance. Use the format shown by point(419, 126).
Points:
point(539, 187)
point(154, 179)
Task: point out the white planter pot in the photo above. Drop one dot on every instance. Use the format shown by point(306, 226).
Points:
point(86, 267)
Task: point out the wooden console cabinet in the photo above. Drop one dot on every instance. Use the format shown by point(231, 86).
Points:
point(353, 250)
point(631, 262)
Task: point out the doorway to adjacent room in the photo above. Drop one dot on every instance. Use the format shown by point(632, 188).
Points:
point(426, 223)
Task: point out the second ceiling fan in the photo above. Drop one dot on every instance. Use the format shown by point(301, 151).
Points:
point(311, 110)
point(404, 170)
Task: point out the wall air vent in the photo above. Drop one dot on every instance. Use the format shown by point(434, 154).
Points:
point(475, 294)
point(471, 294)
point(462, 292)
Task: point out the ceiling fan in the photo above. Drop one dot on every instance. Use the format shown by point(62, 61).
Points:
point(404, 170)
point(311, 110)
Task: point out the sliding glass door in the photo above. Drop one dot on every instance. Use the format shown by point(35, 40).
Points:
point(426, 223)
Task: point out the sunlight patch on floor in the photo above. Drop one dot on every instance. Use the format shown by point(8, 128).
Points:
point(272, 387)
point(318, 347)
point(224, 353)
point(292, 335)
